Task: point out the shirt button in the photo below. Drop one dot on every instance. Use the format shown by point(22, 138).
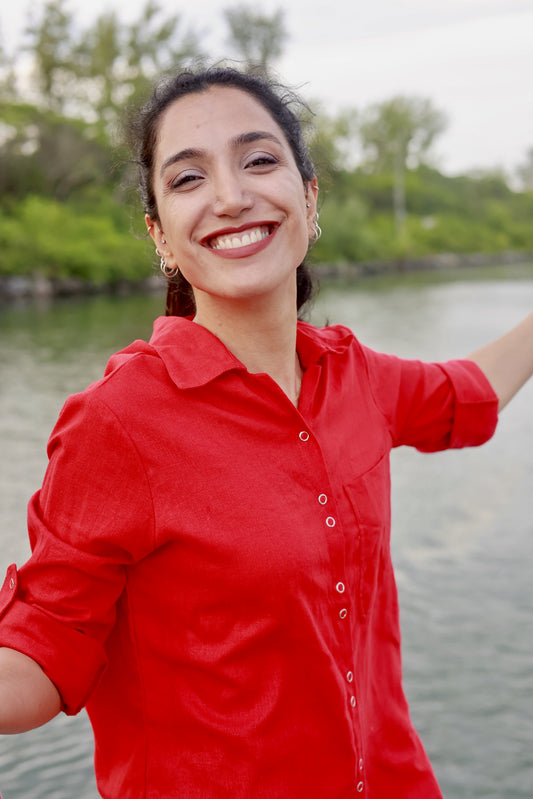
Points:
point(304, 435)
point(330, 521)
point(343, 613)
point(360, 786)
point(349, 676)
point(322, 498)
point(361, 764)
point(340, 588)
point(12, 583)
point(353, 701)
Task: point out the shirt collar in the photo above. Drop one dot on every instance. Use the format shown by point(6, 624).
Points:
point(194, 356)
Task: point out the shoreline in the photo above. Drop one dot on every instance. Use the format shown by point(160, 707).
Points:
point(438, 262)
point(36, 287)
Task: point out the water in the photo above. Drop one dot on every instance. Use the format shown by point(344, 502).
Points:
point(462, 529)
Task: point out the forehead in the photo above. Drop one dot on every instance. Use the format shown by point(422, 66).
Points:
point(210, 118)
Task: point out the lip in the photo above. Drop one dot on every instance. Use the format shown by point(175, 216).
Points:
point(247, 249)
point(228, 231)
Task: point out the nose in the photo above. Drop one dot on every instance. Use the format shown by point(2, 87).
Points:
point(230, 195)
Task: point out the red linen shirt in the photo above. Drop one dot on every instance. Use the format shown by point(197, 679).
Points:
point(211, 573)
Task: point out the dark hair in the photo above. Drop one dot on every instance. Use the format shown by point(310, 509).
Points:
point(143, 131)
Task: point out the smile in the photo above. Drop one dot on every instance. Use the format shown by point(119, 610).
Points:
point(234, 240)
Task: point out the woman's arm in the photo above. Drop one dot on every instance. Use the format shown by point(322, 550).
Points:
point(508, 361)
point(28, 698)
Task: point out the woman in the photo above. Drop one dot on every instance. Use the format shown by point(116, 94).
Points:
point(211, 574)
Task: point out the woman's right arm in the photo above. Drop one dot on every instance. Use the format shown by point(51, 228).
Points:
point(28, 698)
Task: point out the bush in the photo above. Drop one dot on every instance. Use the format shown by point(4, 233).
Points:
point(44, 237)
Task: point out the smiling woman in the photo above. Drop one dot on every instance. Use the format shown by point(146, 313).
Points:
point(273, 103)
point(234, 214)
point(211, 573)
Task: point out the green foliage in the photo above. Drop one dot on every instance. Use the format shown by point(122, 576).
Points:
point(525, 171)
point(45, 153)
point(62, 209)
point(52, 48)
point(44, 237)
point(93, 73)
point(399, 132)
point(256, 38)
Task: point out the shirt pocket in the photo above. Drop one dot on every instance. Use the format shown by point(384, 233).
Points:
point(369, 497)
point(8, 591)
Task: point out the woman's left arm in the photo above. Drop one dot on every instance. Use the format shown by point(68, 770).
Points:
point(508, 361)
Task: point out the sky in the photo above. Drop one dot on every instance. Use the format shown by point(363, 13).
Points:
point(472, 58)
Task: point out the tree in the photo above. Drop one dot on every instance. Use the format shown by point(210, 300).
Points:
point(8, 82)
point(396, 134)
point(258, 39)
point(44, 153)
point(334, 141)
point(107, 65)
point(153, 47)
point(117, 63)
point(402, 128)
point(525, 172)
point(51, 43)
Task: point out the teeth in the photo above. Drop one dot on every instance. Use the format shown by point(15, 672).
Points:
point(234, 242)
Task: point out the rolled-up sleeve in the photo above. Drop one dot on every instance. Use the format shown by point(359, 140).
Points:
point(475, 404)
point(92, 517)
point(433, 406)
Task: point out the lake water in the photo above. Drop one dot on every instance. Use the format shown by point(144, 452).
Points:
point(462, 522)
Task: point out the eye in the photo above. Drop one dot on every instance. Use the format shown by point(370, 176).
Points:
point(185, 180)
point(261, 160)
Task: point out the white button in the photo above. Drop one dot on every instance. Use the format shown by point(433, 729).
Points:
point(340, 588)
point(349, 676)
point(330, 521)
point(322, 499)
point(304, 435)
point(352, 701)
point(12, 583)
point(343, 613)
point(360, 786)
point(361, 764)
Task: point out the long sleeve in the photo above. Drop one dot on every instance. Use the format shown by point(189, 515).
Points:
point(92, 517)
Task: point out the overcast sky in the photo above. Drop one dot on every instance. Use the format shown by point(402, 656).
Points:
point(473, 58)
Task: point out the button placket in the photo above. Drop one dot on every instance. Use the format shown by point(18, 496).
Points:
point(336, 545)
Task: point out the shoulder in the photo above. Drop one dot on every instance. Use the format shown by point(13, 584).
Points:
point(131, 374)
point(341, 346)
point(336, 341)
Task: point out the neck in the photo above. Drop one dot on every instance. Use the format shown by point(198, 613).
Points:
point(262, 337)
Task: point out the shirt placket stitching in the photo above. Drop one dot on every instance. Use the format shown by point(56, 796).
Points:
point(342, 613)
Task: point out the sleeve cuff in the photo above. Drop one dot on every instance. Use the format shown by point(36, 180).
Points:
point(475, 405)
point(69, 658)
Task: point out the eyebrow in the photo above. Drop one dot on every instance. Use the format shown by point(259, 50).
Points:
point(237, 141)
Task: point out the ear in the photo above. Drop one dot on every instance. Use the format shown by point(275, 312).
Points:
point(311, 199)
point(153, 230)
point(161, 246)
